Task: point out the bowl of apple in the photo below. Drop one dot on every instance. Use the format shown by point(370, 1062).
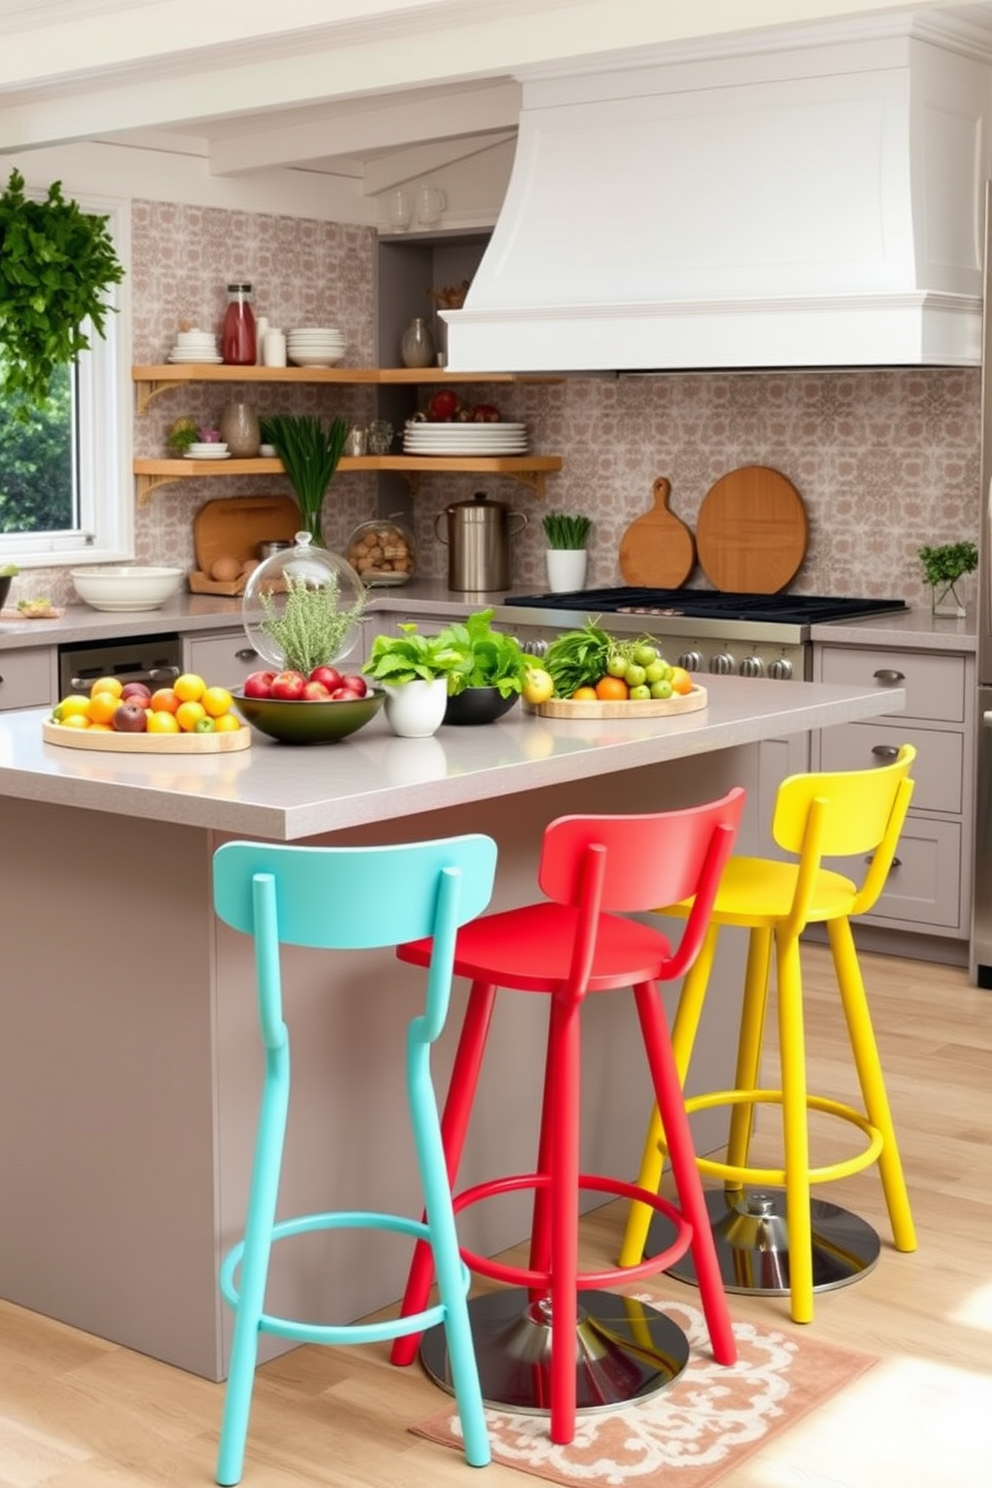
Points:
point(294, 707)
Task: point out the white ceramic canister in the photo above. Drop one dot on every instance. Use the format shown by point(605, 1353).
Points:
point(274, 348)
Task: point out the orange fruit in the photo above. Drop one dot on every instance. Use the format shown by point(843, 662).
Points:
point(188, 715)
point(217, 701)
point(189, 688)
point(100, 728)
point(162, 723)
point(227, 723)
point(103, 706)
point(584, 695)
point(163, 700)
point(681, 681)
point(612, 690)
point(107, 684)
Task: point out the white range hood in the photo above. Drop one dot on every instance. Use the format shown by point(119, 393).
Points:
point(806, 207)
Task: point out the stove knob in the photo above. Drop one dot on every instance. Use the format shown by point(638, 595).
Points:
point(723, 664)
point(780, 669)
point(691, 661)
point(534, 647)
point(752, 666)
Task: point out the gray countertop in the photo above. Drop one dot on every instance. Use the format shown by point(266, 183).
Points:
point(284, 793)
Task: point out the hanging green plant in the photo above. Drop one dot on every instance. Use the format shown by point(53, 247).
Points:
point(56, 264)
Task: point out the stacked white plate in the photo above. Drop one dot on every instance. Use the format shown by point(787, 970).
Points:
point(465, 439)
point(198, 347)
point(315, 346)
point(210, 451)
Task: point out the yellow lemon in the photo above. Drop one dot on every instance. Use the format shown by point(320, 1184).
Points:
point(162, 723)
point(538, 686)
point(217, 701)
point(74, 704)
point(189, 688)
point(188, 715)
point(227, 723)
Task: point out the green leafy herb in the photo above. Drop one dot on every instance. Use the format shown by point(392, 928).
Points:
point(56, 264)
point(487, 658)
point(564, 530)
point(577, 658)
point(946, 564)
point(410, 657)
point(312, 627)
point(310, 452)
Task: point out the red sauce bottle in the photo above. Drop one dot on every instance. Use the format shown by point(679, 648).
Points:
point(238, 343)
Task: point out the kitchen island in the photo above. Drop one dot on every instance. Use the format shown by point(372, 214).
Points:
point(129, 1062)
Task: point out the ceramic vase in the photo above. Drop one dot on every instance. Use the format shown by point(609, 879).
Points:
point(566, 569)
point(417, 345)
point(415, 710)
point(240, 430)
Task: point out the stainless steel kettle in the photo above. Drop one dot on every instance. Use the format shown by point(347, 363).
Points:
point(478, 541)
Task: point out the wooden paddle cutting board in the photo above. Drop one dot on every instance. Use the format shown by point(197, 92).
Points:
point(657, 551)
point(752, 531)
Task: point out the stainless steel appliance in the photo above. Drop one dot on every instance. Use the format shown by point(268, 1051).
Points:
point(477, 537)
point(748, 635)
point(156, 660)
point(981, 923)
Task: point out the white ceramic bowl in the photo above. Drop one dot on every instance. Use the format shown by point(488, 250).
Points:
point(126, 588)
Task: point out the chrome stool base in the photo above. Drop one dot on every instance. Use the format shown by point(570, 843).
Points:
point(628, 1350)
point(752, 1243)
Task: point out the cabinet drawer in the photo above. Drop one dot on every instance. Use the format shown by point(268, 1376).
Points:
point(28, 679)
point(924, 886)
point(938, 769)
point(934, 683)
point(223, 660)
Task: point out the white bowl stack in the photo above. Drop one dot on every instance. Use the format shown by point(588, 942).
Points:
point(211, 451)
point(315, 346)
point(198, 347)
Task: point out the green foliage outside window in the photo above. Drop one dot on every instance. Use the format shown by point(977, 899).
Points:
point(36, 475)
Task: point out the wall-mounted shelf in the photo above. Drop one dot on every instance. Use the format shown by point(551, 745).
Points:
point(529, 470)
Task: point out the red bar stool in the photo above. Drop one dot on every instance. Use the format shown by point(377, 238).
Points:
point(554, 1343)
point(778, 1240)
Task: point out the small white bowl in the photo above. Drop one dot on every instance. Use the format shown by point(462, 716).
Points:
point(130, 587)
point(195, 338)
point(207, 447)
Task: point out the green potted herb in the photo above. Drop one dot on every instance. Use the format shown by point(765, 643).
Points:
point(413, 669)
point(310, 451)
point(566, 557)
point(56, 266)
point(311, 626)
point(488, 676)
point(943, 566)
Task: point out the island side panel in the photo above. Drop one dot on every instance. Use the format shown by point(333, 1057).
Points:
point(106, 1079)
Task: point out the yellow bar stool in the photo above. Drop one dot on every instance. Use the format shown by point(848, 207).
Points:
point(769, 1241)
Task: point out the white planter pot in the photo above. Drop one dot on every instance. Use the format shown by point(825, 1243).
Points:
point(566, 569)
point(414, 710)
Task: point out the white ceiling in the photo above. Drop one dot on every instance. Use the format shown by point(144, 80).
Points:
point(379, 90)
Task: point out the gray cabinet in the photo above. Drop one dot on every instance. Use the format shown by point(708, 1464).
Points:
point(29, 678)
point(929, 889)
point(223, 658)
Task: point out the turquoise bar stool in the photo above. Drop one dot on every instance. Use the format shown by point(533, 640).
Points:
point(332, 899)
point(551, 1340)
point(774, 1238)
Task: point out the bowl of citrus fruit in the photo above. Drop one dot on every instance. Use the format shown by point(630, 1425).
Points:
point(187, 716)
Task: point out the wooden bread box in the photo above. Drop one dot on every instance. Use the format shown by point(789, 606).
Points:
point(233, 528)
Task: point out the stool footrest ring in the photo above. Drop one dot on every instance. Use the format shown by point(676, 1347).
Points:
point(743, 1173)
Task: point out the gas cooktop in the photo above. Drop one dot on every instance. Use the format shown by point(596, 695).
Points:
point(706, 604)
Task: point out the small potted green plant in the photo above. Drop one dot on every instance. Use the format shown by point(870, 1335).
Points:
point(488, 676)
point(413, 669)
point(566, 557)
point(310, 451)
point(943, 566)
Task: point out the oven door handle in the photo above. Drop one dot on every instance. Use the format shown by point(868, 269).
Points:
point(162, 676)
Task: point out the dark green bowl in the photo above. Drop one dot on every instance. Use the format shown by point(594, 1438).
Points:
point(308, 723)
point(478, 705)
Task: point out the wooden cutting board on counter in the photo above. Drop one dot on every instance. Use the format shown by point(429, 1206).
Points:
point(233, 528)
point(658, 551)
point(752, 531)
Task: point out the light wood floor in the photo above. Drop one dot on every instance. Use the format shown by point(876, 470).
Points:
point(79, 1413)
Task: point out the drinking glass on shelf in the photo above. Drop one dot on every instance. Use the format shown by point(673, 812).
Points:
point(430, 204)
point(380, 437)
point(400, 210)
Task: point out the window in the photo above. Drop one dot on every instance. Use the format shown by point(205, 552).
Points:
point(66, 488)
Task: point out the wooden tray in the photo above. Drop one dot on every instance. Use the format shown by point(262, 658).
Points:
point(658, 551)
point(233, 528)
point(690, 702)
point(56, 733)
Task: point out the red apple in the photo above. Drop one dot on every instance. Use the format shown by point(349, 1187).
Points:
point(129, 718)
point(315, 692)
point(443, 406)
point(345, 695)
point(288, 686)
point(485, 413)
point(259, 684)
point(357, 684)
point(136, 692)
point(330, 676)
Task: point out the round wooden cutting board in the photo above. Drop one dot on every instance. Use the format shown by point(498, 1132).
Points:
point(752, 531)
point(657, 551)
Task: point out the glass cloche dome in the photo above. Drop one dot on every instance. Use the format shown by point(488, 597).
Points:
point(302, 607)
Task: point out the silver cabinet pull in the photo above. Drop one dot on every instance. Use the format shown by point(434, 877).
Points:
point(896, 862)
point(248, 653)
point(889, 678)
point(885, 751)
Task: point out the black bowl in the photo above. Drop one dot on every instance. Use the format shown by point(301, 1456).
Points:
point(5, 584)
point(478, 705)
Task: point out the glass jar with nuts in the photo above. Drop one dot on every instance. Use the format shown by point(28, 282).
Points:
point(382, 552)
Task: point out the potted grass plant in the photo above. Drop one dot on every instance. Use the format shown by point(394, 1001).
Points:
point(310, 451)
point(566, 556)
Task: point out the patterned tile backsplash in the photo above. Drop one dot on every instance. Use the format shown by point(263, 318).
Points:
point(886, 460)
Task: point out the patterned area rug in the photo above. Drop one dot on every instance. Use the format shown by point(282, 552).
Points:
point(708, 1420)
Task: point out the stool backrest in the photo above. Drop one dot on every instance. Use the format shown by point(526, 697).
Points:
point(632, 863)
point(351, 898)
point(845, 813)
